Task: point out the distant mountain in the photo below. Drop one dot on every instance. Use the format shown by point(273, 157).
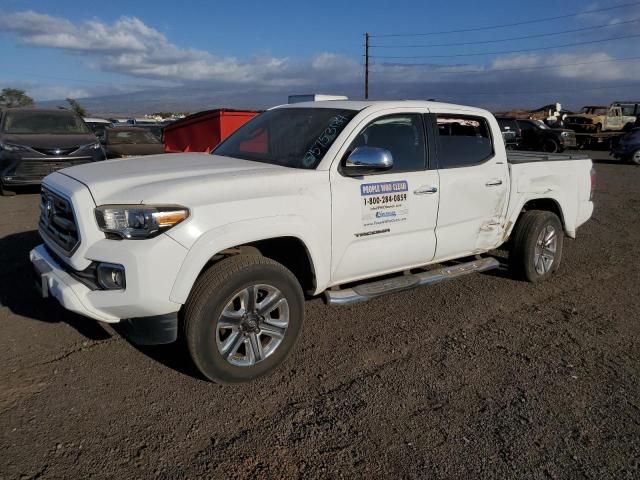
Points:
point(181, 99)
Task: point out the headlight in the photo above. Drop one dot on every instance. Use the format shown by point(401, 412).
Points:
point(90, 146)
point(138, 222)
point(566, 134)
point(12, 148)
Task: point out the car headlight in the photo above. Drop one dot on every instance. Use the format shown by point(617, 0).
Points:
point(566, 134)
point(12, 148)
point(138, 222)
point(90, 146)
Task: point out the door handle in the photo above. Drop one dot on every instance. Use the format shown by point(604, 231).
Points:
point(426, 190)
point(493, 183)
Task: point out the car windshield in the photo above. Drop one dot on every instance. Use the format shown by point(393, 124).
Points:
point(50, 123)
point(291, 137)
point(594, 110)
point(116, 136)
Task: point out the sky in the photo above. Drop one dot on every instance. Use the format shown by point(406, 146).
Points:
point(191, 54)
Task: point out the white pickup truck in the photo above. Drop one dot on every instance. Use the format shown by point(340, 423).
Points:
point(305, 199)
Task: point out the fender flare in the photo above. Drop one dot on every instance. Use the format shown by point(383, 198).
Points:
point(248, 231)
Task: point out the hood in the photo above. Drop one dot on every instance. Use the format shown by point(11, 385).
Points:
point(182, 178)
point(117, 150)
point(561, 130)
point(49, 141)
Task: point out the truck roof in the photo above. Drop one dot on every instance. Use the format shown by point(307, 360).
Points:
point(381, 104)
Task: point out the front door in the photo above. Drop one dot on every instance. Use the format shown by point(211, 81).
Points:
point(385, 222)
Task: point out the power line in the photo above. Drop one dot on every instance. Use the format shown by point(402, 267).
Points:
point(538, 35)
point(515, 24)
point(508, 51)
point(538, 67)
point(546, 92)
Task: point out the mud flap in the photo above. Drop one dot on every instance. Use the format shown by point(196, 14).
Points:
point(157, 330)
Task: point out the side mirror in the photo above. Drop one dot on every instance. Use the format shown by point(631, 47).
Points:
point(368, 160)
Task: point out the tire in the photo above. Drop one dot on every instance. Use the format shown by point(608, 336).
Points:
point(549, 145)
point(529, 259)
point(635, 157)
point(5, 192)
point(227, 350)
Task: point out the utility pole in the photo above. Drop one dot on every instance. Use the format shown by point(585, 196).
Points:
point(366, 66)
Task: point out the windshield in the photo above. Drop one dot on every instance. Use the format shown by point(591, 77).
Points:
point(130, 137)
point(291, 137)
point(56, 123)
point(594, 110)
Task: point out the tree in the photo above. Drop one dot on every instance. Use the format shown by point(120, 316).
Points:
point(13, 97)
point(76, 107)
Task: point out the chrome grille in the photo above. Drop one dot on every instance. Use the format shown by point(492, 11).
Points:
point(57, 221)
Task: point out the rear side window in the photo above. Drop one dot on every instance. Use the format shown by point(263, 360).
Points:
point(463, 141)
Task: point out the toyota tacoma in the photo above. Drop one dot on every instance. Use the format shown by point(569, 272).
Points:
point(346, 199)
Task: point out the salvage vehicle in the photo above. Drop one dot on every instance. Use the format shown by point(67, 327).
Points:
point(35, 142)
point(536, 135)
point(628, 148)
point(346, 199)
point(597, 119)
point(123, 142)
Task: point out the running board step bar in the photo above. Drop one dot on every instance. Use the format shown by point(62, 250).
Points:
point(367, 291)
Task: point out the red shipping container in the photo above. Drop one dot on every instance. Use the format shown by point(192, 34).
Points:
point(203, 131)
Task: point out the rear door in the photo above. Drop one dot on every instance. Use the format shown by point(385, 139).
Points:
point(385, 222)
point(474, 184)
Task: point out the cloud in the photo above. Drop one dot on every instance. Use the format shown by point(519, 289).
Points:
point(132, 48)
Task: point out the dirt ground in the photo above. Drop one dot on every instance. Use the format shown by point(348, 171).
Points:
point(484, 377)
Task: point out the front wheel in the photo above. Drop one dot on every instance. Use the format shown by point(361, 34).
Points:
point(550, 146)
point(243, 318)
point(537, 245)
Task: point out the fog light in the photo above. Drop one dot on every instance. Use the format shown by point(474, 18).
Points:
point(111, 276)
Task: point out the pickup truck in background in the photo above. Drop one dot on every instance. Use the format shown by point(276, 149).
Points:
point(346, 199)
point(537, 135)
point(597, 119)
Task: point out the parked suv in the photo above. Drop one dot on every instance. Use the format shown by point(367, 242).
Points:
point(37, 142)
point(536, 135)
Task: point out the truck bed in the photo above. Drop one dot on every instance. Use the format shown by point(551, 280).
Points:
point(528, 157)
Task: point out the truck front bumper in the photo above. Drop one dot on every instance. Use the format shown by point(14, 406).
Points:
point(51, 280)
point(150, 269)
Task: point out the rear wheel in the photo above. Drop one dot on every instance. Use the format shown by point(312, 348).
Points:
point(243, 318)
point(550, 146)
point(537, 245)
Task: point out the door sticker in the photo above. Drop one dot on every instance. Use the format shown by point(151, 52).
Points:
point(384, 202)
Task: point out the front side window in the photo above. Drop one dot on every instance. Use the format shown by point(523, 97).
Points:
point(463, 140)
point(402, 135)
point(290, 137)
point(39, 123)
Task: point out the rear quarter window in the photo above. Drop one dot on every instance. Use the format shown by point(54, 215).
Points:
point(463, 141)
